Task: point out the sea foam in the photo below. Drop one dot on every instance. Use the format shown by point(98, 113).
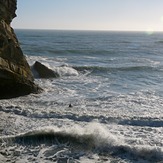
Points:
point(93, 137)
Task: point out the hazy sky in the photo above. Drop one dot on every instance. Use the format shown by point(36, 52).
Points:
point(90, 14)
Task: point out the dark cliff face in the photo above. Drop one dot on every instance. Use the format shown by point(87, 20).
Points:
point(15, 75)
point(7, 10)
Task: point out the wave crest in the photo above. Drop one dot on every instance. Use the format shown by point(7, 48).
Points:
point(93, 137)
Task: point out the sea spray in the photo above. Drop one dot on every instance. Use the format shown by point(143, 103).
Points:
point(66, 71)
point(94, 138)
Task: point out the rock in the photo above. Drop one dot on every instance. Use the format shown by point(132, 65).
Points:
point(7, 10)
point(43, 71)
point(16, 78)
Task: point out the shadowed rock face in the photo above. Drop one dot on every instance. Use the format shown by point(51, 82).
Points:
point(43, 71)
point(15, 75)
point(7, 10)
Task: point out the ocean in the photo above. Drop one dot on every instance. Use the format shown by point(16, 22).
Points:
point(106, 106)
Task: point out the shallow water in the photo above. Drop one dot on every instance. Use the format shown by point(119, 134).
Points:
point(113, 80)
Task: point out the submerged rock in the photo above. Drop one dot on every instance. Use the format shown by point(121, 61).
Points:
point(15, 75)
point(43, 71)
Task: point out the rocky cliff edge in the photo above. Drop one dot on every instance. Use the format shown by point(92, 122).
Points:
point(15, 75)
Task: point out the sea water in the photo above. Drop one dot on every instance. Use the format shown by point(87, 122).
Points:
point(114, 83)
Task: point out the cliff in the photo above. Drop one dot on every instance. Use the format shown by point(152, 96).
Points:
point(15, 75)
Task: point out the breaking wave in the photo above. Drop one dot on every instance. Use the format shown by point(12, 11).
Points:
point(93, 137)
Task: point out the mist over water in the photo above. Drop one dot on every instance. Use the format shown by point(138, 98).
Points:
point(113, 80)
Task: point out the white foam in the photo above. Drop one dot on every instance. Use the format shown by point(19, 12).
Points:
point(97, 137)
point(56, 65)
point(145, 151)
point(102, 139)
point(2, 158)
point(65, 71)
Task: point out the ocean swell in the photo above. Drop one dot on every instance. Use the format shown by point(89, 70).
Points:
point(95, 69)
point(93, 137)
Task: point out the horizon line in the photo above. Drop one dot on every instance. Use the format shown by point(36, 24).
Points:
point(107, 30)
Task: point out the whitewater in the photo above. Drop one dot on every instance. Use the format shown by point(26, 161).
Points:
point(106, 106)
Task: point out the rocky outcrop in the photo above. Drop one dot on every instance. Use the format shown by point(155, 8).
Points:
point(42, 71)
point(15, 75)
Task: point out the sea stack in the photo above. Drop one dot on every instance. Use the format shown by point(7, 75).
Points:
point(15, 74)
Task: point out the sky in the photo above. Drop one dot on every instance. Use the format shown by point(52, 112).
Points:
point(122, 15)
